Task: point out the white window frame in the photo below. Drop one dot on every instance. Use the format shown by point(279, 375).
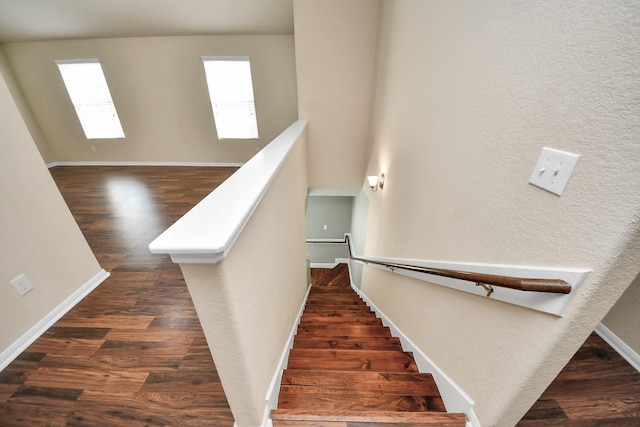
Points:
point(232, 100)
point(91, 98)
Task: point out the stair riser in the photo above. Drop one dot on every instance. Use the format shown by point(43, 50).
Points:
point(338, 330)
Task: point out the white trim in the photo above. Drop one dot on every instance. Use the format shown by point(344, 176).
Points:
point(206, 233)
point(323, 264)
point(192, 164)
point(619, 346)
point(329, 264)
point(551, 303)
point(323, 241)
point(21, 344)
point(271, 399)
point(455, 399)
point(342, 192)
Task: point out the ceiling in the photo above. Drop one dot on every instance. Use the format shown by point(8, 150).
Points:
point(29, 20)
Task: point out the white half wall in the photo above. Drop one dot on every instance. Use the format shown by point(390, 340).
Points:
point(248, 302)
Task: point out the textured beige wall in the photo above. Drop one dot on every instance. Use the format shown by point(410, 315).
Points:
point(25, 111)
point(467, 95)
point(335, 61)
point(248, 303)
point(39, 236)
point(624, 317)
point(160, 92)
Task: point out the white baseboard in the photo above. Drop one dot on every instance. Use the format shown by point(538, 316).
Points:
point(21, 344)
point(455, 399)
point(619, 346)
point(271, 399)
point(329, 264)
point(201, 164)
point(322, 265)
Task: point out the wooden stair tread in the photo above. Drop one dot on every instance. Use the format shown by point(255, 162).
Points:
point(389, 417)
point(396, 383)
point(334, 293)
point(346, 308)
point(359, 390)
point(348, 343)
point(351, 330)
point(315, 302)
point(348, 360)
point(326, 313)
point(334, 298)
point(331, 289)
point(359, 402)
point(323, 293)
point(297, 423)
point(327, 320)
point(331, 322)
point(353, 320)
point(339, 312)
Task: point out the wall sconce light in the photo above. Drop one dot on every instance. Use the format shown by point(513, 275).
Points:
point(375, 182)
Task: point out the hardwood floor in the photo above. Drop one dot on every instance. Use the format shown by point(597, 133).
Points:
point(133, 352)
point(596, 388)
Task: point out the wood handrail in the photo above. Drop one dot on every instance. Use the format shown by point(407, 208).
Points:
point(557, 286)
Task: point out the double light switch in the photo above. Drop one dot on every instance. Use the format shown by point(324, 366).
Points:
point(553, 169)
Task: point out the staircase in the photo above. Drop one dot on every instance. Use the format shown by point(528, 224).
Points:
point(346, 370)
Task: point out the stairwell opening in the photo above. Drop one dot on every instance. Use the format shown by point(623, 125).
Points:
point(330, 213)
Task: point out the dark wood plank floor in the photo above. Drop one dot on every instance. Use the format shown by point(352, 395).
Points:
point(596, 388)
point(133, 352)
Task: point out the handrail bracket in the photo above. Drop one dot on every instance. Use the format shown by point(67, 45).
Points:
point(486, 287)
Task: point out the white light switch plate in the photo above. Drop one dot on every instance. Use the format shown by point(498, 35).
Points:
point(553, 169)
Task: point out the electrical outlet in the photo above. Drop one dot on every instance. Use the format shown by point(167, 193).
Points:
point(553, 169)
point(22, 285)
